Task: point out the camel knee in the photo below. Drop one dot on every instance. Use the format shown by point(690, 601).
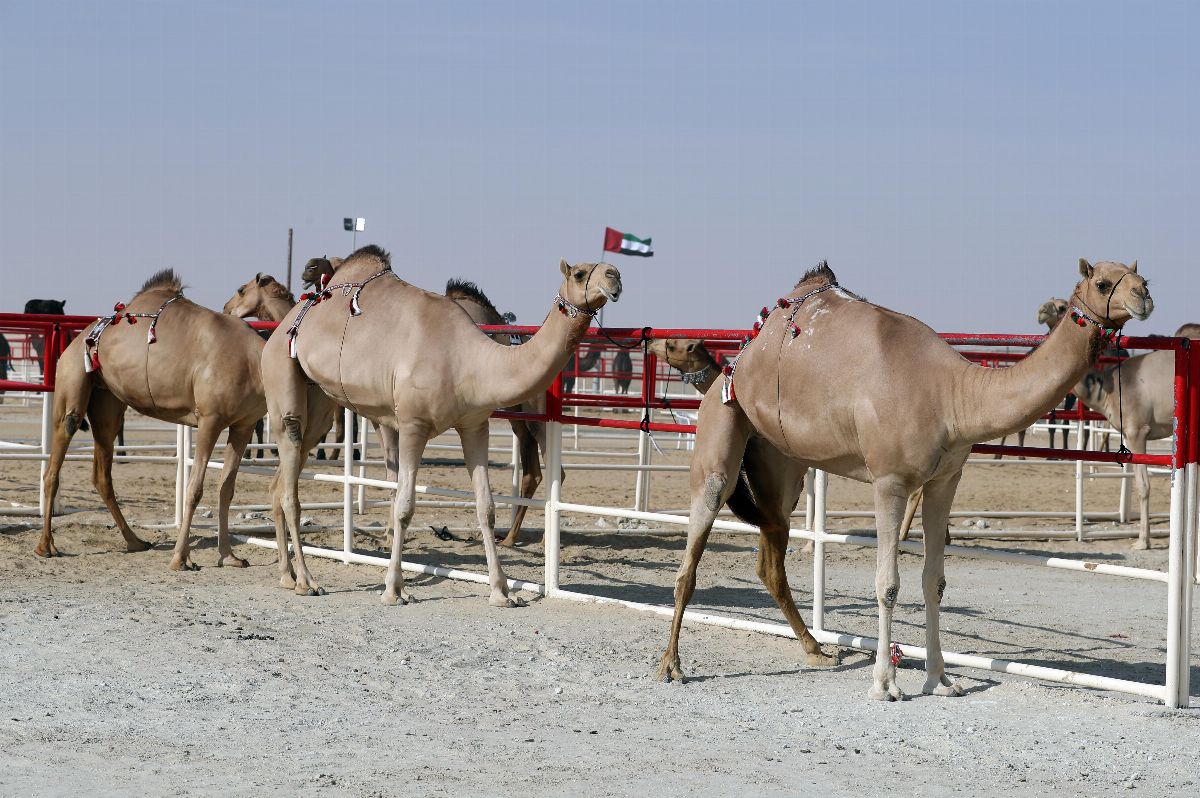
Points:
point(293, 427)
point(72, 422)
point(714, 491)
point(887, 596)
point(938, 588)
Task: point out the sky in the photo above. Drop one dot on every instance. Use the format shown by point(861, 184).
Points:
point(950, 160)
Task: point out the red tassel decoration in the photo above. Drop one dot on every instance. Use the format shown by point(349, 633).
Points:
point(119, 307)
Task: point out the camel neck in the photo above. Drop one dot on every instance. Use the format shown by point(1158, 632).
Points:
point(512, 374)
point(274, 308)
point(993, 402)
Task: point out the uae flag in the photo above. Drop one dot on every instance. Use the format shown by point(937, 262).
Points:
point(616, 241)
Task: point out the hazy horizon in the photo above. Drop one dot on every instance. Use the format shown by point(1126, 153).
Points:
point(951, 161)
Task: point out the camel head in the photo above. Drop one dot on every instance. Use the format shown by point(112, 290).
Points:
point(685, 354)
point(1052, 312)
point(317, 267)
point(249, 298)
point(589, 285)
point(1113, 293)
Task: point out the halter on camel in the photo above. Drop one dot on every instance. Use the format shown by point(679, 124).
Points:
point(91, 346)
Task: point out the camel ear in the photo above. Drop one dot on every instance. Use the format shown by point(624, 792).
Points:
point(1085, 268)
point(264, 279)
point(564, 267)
point(1133, 267)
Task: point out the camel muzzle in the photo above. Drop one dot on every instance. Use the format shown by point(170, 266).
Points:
point(1145, 311)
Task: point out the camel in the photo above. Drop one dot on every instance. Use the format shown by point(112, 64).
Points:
point(574, 366)
point(168, 359)
point(531, 435)
point(266, 299)
point(415, 363)
point(821, 387)
point(622, 366)
point(263, 298)
point(1189, 330)
point(688, 356)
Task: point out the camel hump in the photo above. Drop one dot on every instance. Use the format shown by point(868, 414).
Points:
point(457, 288)
point(163, 278)
point(372, 251)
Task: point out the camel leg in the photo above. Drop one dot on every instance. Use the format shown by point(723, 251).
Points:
point(1141, 476)
point(389, 443)
point(721, 435)
point(107, 415)
point(239, 438)
point(475, 446)
point(1021, 441)
point(410, 442)
point(939, 496)
point(306, 423)
point(287, 576)
point(772, 547)
point(890, 498)
point(206, 438)
point(531, 477)
point(71, 399)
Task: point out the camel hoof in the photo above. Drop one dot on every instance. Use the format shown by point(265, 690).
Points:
point(510, 543)
point(668, 671)
point(392, 599)
point(46, 551)
point(287, 582)
point(889, 692)
point(230, 561)
point(504, 602)
point(1140, 545)
point(184, 565)
point(944, 687)
point(820, 659)
point(137, 544)
point(306, 588)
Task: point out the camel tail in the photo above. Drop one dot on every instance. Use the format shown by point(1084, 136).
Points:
point(744, 502)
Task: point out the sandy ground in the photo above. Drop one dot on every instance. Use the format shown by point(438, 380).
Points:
point(126, 679)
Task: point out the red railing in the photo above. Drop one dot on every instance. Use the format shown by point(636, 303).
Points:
point(57, 332)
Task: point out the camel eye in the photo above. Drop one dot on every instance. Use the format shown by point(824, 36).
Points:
point(579, 274)
point(1103, 286)
point(242, 290)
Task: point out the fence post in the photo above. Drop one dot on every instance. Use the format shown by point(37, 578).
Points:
point(1079, 487)
point(347, 492)
point(1177, 665)
point(554, 447)
point(47, 424)
point(820, 482)
point(363, 427)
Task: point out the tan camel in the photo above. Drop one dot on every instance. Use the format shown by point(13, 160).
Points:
point(531, 435)
point(836, 383)
point(1189, 330)
point(168, 359)
point(1147, 392)
point(688, 356)
point(414, 362)
point(264, 298)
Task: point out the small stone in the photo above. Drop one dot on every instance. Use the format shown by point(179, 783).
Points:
point(252, 516)
point(967, 522)
point(308, 520)
point(558, 691)
point(600, 522)
point(206, 513)
point(981, 524)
